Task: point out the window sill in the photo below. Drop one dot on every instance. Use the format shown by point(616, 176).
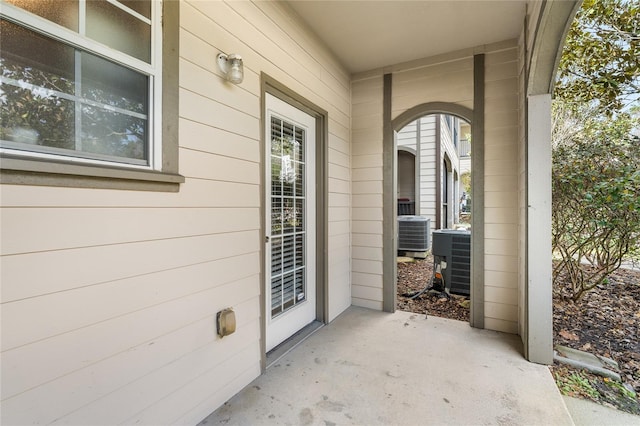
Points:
point(20, 171)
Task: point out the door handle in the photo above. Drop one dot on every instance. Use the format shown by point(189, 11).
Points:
point(266, 239)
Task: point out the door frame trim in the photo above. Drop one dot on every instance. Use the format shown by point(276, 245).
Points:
point(282, 92)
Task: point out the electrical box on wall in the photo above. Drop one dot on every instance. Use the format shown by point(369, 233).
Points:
point(226, 322)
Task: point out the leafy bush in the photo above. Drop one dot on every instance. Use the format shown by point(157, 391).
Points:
point(596, 196)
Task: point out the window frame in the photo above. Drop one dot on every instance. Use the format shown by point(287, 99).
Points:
point(161, 172)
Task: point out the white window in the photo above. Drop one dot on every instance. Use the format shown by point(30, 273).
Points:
point(81, 81)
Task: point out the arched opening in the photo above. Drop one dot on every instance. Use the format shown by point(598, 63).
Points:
point(440, 142)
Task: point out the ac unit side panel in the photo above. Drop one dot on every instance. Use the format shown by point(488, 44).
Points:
point(454, 247)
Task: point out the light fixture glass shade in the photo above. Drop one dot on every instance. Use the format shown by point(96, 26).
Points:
point(231, 66)
point(236, 73)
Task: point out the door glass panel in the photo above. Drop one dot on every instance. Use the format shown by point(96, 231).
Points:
point(299, 188)
point(288, 277)
point(276, 216)
point(276, 296)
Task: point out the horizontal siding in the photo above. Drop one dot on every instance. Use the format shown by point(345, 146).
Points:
point(501, 189)
point(407, 136)
point(223, 372)
point(62, 270)
point(216, 114)
point(96, 304)
point(101, 412)
point(450, 80)
point(195, 194)
point(366, 303)
point(120, 310)
point(117, 226)
point(366, 214)
point(202, 138)
point(446, 79)
point(428, 159)
point(53, 399)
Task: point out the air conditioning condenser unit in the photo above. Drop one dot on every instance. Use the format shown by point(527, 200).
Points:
point(413, 234)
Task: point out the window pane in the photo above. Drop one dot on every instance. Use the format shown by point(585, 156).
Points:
point(114, 85)
point(34, 120)
point(30, 114)
point(62, 12)
point(113, 134)
point(31, 58)
point(119, 30)
point(140, 6)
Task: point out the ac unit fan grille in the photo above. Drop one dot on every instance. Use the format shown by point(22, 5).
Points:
point(413, 233)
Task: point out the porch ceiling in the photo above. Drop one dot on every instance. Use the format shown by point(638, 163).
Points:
point(366, 35)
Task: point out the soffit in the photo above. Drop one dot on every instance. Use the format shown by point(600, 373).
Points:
point(365, 35)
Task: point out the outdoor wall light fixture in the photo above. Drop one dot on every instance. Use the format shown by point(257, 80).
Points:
point(231, 67)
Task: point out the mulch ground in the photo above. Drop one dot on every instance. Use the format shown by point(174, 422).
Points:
point(606, 322)
point(413, 277)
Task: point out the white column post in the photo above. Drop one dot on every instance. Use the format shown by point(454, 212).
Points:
point(539, 303)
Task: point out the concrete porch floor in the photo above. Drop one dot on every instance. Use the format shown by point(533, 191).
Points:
point(369, 367)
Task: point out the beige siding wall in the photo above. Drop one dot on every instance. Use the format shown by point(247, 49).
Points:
point(501, 189)
point(428, 169)
point(407, 137)
point(448, 78)
point(449, 151)
point(446, 138)
point(109, 297)
point(366, 215)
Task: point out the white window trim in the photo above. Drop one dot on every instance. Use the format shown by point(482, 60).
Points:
point(79, 41)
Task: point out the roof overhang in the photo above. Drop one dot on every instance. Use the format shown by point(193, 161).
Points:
point(366, 35)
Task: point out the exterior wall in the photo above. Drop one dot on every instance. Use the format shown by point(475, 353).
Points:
point(428, 163)
point(450, 152)
point(501, 189)
point(448, 147)
point(366, 214)
point(407, 137)
point(109, 297)
point(447, 78)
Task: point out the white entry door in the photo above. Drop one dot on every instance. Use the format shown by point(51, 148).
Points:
point(290, 220)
